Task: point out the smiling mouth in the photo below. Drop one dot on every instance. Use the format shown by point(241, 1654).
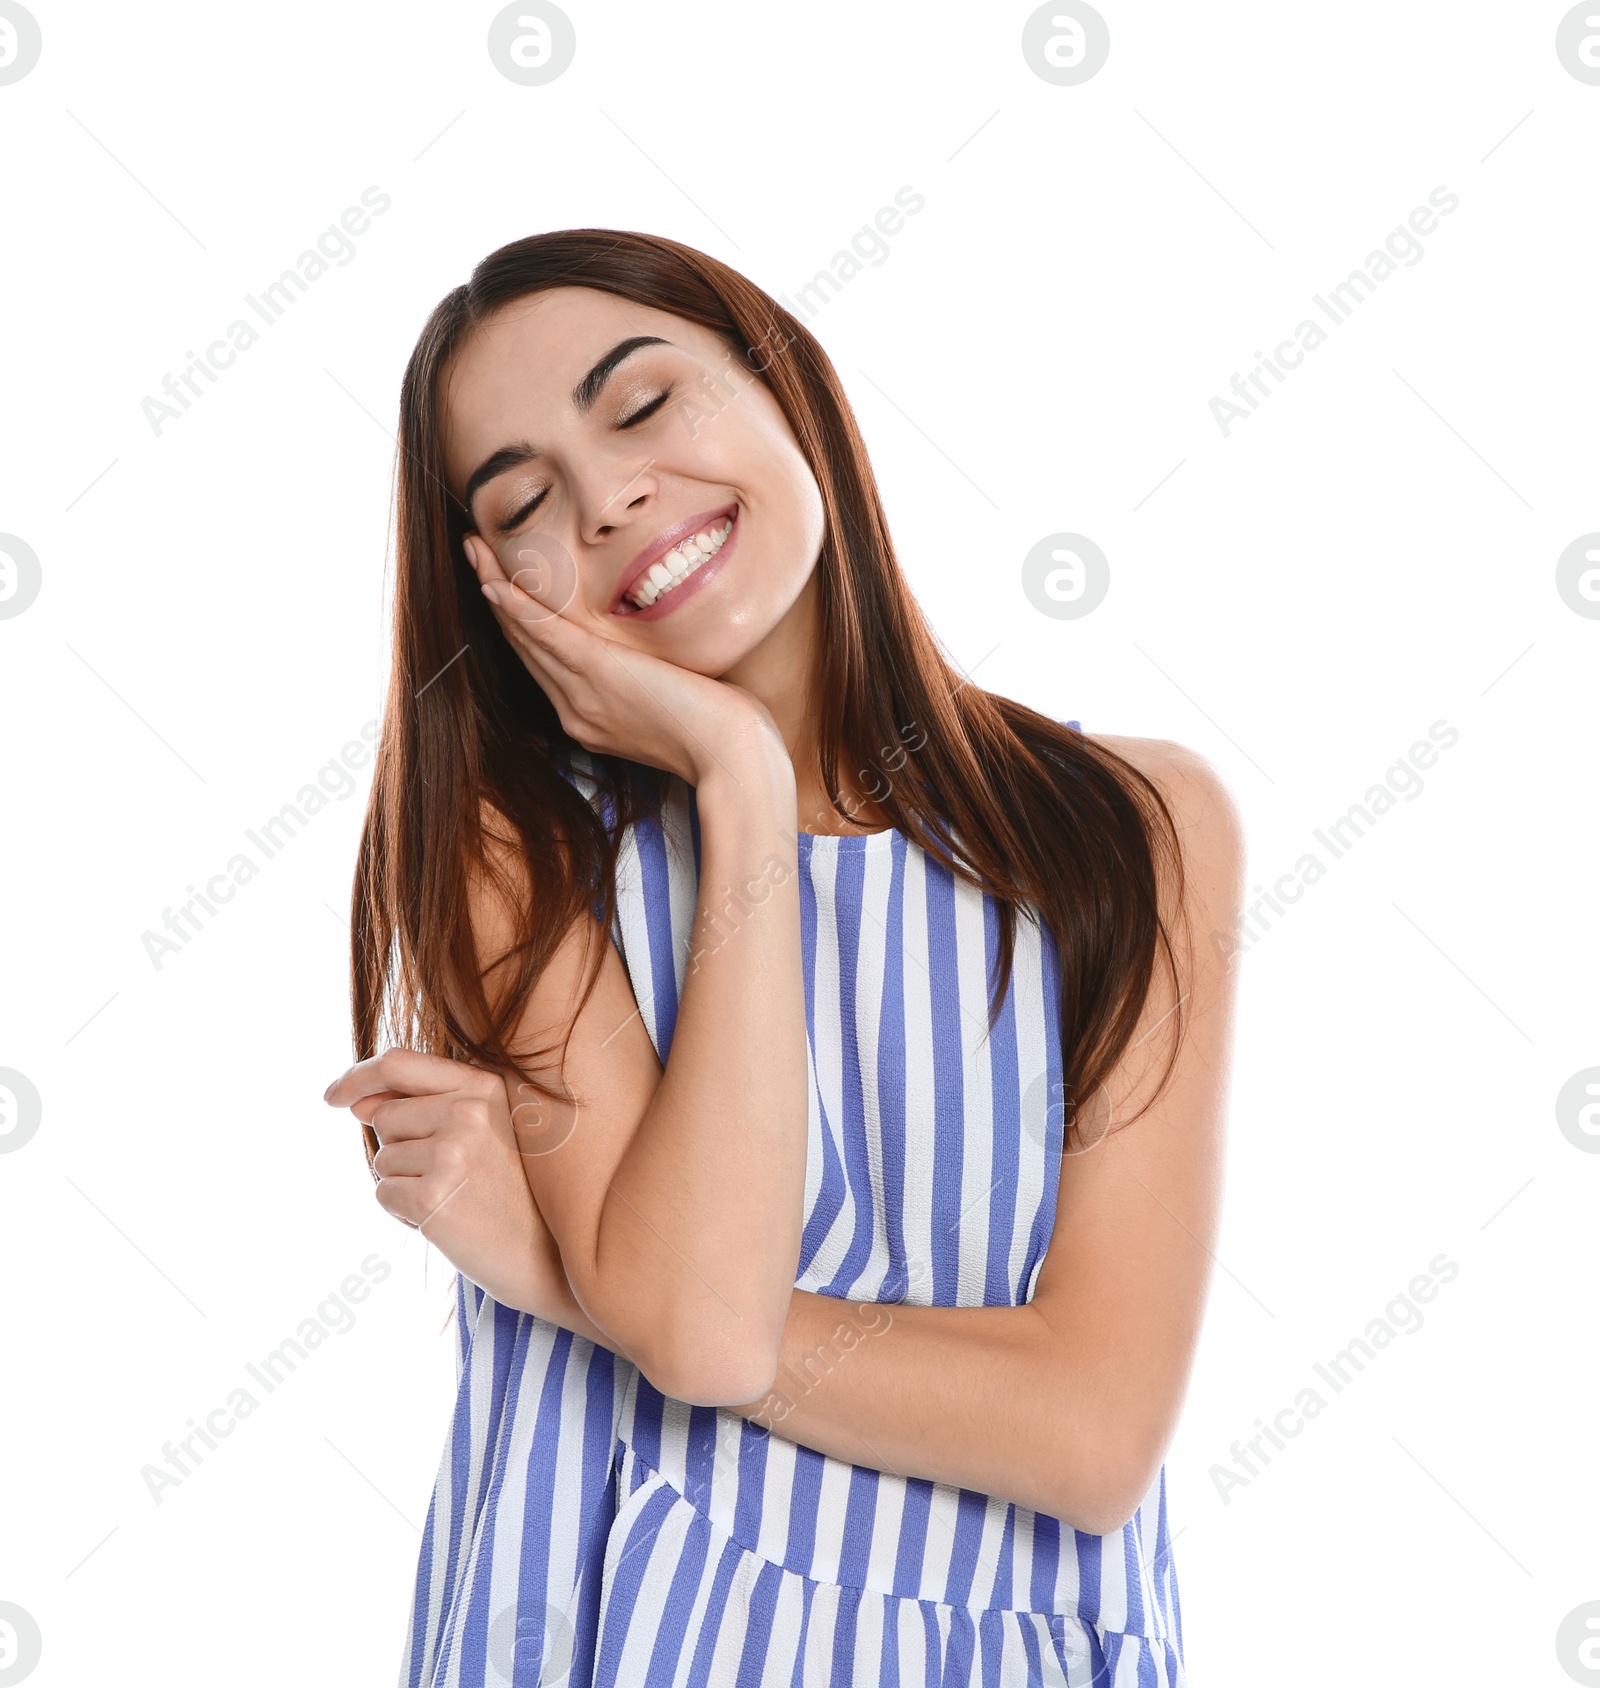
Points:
point(684, 559)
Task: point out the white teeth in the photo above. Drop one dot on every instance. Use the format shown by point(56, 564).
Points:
point(678, 564)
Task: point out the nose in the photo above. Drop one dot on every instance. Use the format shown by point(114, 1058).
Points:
point(603, 529)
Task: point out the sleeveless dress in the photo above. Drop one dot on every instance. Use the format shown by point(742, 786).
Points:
point(588, 1531)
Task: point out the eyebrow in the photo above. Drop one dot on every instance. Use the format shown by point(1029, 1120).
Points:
point(583, 399)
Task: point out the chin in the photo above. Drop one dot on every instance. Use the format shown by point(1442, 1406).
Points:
point(714, 657)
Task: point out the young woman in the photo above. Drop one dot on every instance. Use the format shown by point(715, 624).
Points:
point(813, 1063)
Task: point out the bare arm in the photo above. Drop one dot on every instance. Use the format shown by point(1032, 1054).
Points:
point(1067, 1403)
point(959, 1395)
point(676, 1196)
point(699, 1235)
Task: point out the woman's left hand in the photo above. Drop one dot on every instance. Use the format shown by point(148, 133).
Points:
point(449, 1166)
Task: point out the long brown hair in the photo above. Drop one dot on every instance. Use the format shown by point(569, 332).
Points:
point(468, 760)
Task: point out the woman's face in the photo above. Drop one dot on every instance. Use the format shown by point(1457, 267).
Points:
point(589, 437)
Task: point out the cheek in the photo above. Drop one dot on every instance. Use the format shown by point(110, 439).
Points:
point(787, 558)
point(790, 495)
point(748, 441)
point(806, 526)
point(542, 567)
point(749, 447)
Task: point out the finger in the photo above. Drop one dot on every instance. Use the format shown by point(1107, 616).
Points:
point(497, 589)
point(414, 1201)
point(529, 601)
point(556, 646)
point(364, 1107)
point(400, 1198)
point(406, 1118)
point(485, 564)
point(533, 575)
point(518, 571)
point(541, 567)
point(534, 655)
point(512, 601)
point(408, 1072)
point(410, 1158)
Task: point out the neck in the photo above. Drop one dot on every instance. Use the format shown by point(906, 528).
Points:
point(778, 673)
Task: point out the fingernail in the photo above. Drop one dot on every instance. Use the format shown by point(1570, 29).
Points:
point(328, 1093)
point(492, 593)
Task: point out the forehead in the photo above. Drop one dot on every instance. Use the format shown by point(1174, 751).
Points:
point(515, 372)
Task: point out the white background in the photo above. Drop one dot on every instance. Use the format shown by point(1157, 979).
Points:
point(1374, 550)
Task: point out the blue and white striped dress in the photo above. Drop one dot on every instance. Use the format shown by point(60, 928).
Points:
point(587, 1530)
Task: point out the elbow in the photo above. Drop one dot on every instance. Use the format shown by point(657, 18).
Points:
point(1102, 1513)
point(719, 1391)
point(708, 1372)
point(1104, 1518)
point(1107, 1505)
point(1100, 1493)
point(704, 1357)
point(733, 1382)
point(681, 1358)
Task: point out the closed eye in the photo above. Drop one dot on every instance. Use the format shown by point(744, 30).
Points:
point(643, 413)
point(512, 523)
point(646, 410)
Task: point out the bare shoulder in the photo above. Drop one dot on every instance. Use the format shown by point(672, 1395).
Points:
point(1193, 789)
point(1202, 807)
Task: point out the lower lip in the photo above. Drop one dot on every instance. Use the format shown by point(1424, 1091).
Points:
point(686, 588)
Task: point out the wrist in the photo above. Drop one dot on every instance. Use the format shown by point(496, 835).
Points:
point(746, 778)
point(752, 749)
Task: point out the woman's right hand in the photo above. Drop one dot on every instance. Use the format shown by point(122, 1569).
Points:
point(615, 700)
point(449, 1165)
